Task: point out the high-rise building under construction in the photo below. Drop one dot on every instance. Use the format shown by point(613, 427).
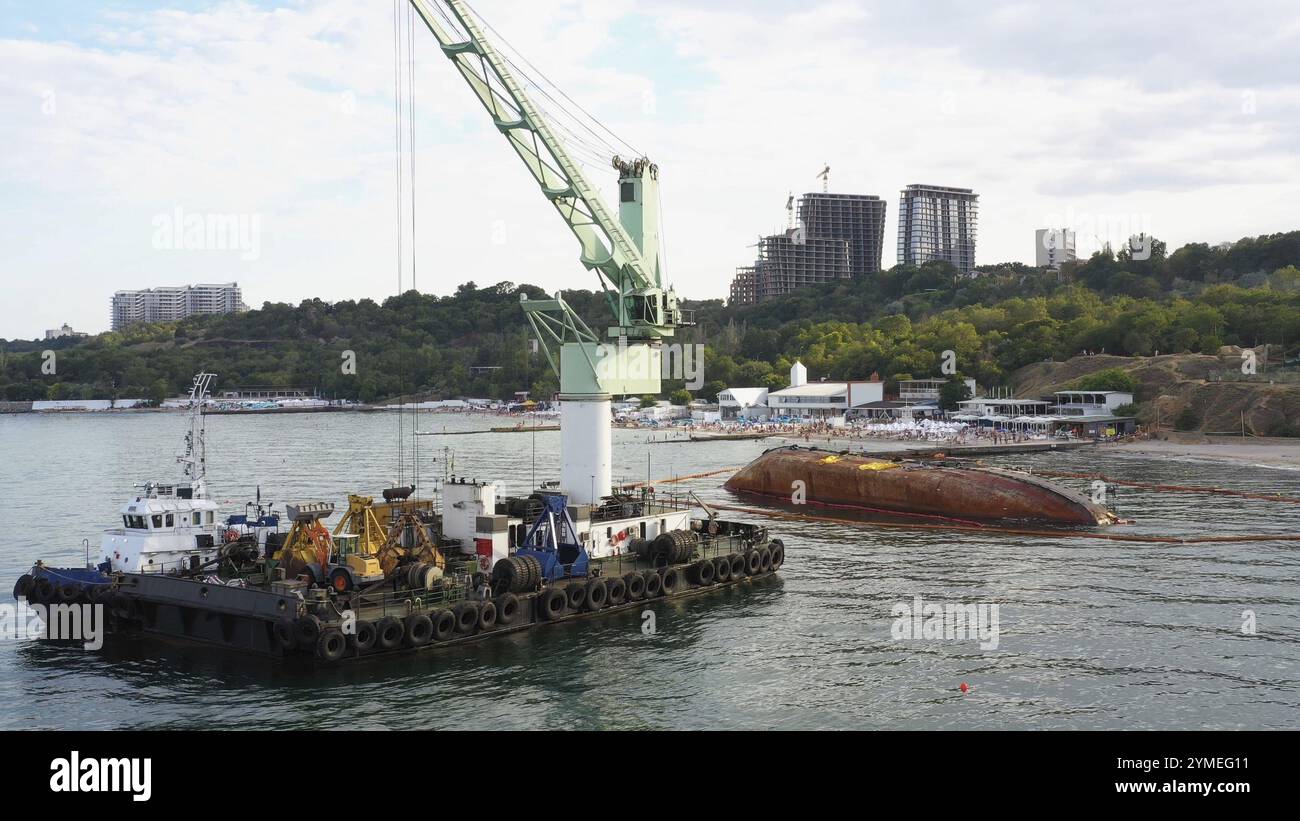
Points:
point(839, 236)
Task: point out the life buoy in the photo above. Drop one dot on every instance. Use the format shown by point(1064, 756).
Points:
point(232, 535)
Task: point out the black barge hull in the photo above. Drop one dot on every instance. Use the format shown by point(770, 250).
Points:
point(258, 621)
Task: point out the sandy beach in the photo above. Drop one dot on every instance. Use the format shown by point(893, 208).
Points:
point(1283, 453)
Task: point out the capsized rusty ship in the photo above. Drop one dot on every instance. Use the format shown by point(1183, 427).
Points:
point(930, 489)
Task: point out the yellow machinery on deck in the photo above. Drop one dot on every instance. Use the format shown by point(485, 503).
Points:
point(360, 537)
point(373, 540)
point(307, 542)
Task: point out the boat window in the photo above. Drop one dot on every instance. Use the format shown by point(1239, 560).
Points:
point(198, 518)
point(171, 521)
point(134, 522)
point(155, 520)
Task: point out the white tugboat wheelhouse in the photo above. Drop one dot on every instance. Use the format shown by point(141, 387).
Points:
point(170, 526)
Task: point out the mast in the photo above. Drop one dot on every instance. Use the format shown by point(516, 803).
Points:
point(194, 462)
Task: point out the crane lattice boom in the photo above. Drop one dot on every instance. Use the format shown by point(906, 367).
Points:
point(624, 252)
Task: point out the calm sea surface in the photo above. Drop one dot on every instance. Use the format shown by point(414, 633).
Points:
point(1094, 634)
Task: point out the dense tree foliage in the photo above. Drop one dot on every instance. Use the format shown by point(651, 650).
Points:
point(896, 324)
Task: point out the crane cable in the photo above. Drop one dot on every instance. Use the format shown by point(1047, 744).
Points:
point(397, 131)
point(521, 56)
point(970, 528)
point(1056, 534)
point(1218, 491)
point(410, 117)
point(593, 154)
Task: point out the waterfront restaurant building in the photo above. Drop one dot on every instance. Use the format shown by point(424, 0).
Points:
point(1082, 413)
point(742, 402)
point(822, 400)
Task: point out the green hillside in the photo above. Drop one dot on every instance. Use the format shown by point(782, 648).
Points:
point(897, 324)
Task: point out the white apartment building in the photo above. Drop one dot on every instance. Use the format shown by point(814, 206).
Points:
point(63, 330)
point(172, 303)
point(1053, 246)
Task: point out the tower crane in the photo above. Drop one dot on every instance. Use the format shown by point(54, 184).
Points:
point(624, 253)
point(825, 176)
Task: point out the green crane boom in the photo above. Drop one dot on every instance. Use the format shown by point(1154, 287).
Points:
point(624, 252)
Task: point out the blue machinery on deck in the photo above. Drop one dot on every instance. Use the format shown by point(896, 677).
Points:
point(553, 541)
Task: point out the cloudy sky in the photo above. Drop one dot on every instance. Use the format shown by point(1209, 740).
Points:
point(1182, 119)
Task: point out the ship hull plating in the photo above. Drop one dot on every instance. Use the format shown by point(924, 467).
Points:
point(794, 474)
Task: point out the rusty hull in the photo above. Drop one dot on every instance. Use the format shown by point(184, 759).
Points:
point(930, 489)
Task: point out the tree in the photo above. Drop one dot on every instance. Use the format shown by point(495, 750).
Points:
point(953, 391)
point(680, 397)
point(1188, 419)
point(1110, 379)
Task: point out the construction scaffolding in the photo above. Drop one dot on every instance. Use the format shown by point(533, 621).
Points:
point(839, 236)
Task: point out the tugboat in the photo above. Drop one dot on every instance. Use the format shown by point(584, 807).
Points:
point(165, 528)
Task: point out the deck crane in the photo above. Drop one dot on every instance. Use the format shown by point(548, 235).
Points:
point(623, 252)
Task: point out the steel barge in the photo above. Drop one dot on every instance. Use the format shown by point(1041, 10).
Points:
point(393, 576)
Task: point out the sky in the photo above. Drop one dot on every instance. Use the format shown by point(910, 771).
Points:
point(271, 125)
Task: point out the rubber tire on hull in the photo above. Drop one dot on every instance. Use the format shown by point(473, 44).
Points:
point(487, 615)
point(615, 591)
point(577, 594)
point(551, 604)
point(507, 608)
point(765, 559)
point(778, 553)
point(702, 573)
point(366, 636)
point(23, 586)
point(68, 593)
point(635, 586)
point(738, 565)
point(670, 580)
point(391, 633)
point(331, 645)
point(307, 628)
point(753, 562)
point(597, 595)
point(444, 624)
point(285, 636)
point(124, 607)
point(654, 584)
point(722, 569)
point(419, 630)
point(466, 614)
point(42, 591)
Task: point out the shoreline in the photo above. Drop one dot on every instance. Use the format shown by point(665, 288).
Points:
point(1271, 452)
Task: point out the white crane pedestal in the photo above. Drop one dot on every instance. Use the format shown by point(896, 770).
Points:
point(585, 447)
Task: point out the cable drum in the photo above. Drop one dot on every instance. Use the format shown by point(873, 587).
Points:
point(674, 547)
point(516, 574)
